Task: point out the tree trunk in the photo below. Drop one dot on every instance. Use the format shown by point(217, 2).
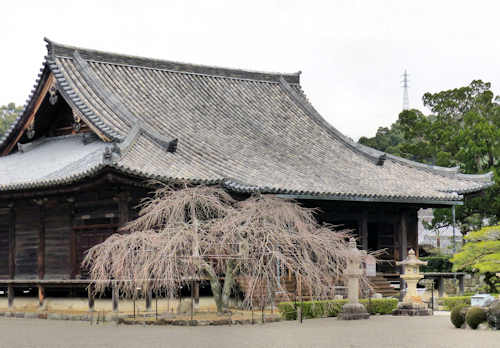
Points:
point(228, 283)
point(221, 293)
point(217, 292)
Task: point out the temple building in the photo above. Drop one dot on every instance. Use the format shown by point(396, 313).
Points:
point(99, 126)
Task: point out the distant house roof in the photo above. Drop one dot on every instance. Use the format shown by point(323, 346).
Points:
point(249, 131)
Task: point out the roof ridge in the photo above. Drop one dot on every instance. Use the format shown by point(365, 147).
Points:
point(60, 50)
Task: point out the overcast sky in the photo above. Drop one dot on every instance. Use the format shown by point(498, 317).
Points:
point(351, 53)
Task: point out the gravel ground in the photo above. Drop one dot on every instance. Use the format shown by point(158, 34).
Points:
point(379, 331)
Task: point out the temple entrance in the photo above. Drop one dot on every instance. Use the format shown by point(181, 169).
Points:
point(381, 237)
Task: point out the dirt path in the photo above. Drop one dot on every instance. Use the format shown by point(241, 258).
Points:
point(379, 331)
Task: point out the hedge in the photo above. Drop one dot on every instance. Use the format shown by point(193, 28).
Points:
point(438, 263)
point(450, 302)
point(331, 308)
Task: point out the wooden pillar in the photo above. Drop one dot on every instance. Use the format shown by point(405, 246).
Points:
point(41, 296)
point(90, 291)
point(11, 296)
point(461, 285)
point(41, 243)
point(123, 199)
point(12, 242)
point(404, 234)
point(115, 296)
point(412, 223)
point(299, 298)
point(441, 286)
point(149, 299)
point(197, 294)
point(75, 267)
point(404, 248)
point(364, 230)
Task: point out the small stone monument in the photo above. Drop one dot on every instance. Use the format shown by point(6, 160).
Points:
point(353, 310)
point(412, 303)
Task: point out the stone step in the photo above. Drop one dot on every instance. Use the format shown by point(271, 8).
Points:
point(382, 286)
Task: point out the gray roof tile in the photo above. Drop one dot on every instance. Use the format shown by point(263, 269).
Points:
point(250, 131)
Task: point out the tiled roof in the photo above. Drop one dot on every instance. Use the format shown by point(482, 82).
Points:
point(251, 131)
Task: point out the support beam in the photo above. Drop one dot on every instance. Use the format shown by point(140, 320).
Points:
point(197, 294)
point(41, 244)
point(11, 296)
point(364, 230)
point(123, 199)
point(404, 248)
point(404, 234)
point(461, 285)
point(41, 297)
point(412, 223)
point(12, 242)
point(149, 299)
point(91, 298)
point(115, 297)
point(75, 267)
point(50, 81)
point(441, 286)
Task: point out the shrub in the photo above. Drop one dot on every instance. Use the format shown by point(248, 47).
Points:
point(457, 315)
point(380, 305)
point(331, 308)
point(450, 302)
point(475, 316)
point(438, 263)
point(493, 315)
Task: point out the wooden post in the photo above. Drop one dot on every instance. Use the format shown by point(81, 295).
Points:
point(197, 294)
point(404, 235)
point(364, 230)
point(149, 299)
point(11, 296)
point(122, 199)
point(75, 268)
point(41, 245)
point(461, 285)
point(90, 291)
point(115, 296)
point(12, 242)
point(299, 293)
point(192, 300)
point(404, 248)
point(441, 286)
point(41, 296)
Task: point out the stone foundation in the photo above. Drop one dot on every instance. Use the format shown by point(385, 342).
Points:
point(353, 311)
point(412, 309)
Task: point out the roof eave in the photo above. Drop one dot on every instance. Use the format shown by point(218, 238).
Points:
point(423, 201)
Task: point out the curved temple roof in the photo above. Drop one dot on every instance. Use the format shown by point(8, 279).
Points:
point(250, 131)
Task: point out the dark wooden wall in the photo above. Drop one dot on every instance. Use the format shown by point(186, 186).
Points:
point(393, 227)
point(27, 235)
point(4, 242)
point(57, 224)
point(46, 237)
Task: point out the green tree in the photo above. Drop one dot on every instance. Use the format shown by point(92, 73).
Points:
point(462, 130)
point(481, 254)
point(8, 113)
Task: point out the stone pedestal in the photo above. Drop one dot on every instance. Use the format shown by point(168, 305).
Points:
point(412, 309)
point(353, 310)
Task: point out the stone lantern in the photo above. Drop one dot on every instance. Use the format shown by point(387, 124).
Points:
point(353, 309)
point(412, 303)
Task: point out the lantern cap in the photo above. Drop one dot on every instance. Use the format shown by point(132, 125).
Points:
point(411, 260)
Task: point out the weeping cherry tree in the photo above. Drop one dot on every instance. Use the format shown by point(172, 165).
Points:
point(202, 233)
